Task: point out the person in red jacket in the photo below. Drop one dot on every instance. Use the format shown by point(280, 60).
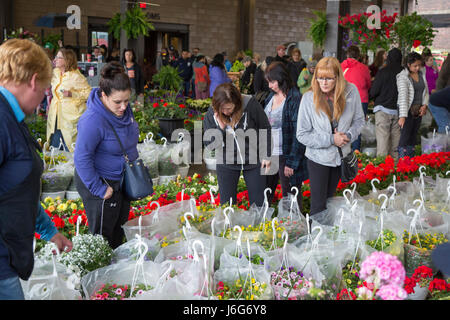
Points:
point(358, 74)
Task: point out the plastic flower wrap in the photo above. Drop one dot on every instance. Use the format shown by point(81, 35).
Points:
point(418, 249)
point(350, 275)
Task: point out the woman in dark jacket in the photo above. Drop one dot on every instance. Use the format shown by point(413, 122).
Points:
point(239, 132)
point(281, 108)
point(260, 84)
point(134, 72)
point(99, 159)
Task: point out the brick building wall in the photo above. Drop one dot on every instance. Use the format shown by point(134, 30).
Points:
point(26, 11)
point(442, 38)
point(277, 22)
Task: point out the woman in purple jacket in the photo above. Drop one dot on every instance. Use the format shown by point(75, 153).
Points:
point(99, 160)
point(217, 73)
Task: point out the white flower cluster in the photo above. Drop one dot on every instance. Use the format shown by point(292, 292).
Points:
point(89, 252)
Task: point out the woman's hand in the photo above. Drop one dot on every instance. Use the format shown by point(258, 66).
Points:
point(219, 121)
point(422, 110)
point(288, 172)
point(109, 193)
point(265, 164)
point(401, 122)
point(340, 139)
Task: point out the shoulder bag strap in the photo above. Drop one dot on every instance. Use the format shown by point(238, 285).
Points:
point(125, 155)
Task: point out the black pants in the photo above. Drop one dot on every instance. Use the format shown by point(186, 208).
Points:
point(323, 181)
point(105, 217)
point(228, 179)
point(272, 182)
point(408, 135)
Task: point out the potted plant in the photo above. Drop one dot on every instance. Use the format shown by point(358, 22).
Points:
point(368, 39)
point(417, 285)
point(136, 23)
point(169, 112)
point(413, 30)
point(168, 78)
point(318, 29)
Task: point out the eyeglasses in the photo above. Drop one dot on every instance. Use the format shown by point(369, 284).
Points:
point(326, 79)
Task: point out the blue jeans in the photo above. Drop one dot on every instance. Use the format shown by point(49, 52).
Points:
point(11, 289)
point(441, 117)
point(186, 87)
point(356, 145)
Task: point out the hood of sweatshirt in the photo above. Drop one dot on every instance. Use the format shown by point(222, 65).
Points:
point(350, 63)
point(95, 105)
point(394, 60)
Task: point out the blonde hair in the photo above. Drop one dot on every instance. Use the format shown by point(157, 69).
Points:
point(20, 59)
point(331, 68)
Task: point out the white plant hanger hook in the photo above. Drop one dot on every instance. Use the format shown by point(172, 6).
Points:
point(151, 136)
point(447, 130)
point(205, 267)
point(341, 213)
point(211, 189)
point(385, 201)
point(78, 225)
point(180, 136)
point(266, 199)
point(294, 200)
point(165, 141)
point(142, 248)
point(354, 185)
point(227, 222)
point(265, 208)
point(315, 242)
point(347, 199)
point(412, 226)
point(273, 246)
point(374, 190)
point(186, 214)
point(285, 259)
point(238, 240)
point(422, 175)
point(156, 214)
point(358, 243)
point(193, 205)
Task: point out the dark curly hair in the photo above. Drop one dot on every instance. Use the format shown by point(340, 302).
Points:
point(277, 71)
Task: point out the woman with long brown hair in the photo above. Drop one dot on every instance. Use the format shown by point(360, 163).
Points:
point(330, 116)
point(238, 126)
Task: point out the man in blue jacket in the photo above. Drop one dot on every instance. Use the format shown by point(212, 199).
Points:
point(184, 67)
point(25, 74)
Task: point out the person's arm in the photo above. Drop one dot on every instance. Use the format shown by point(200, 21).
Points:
point(358, 119)
point(297, 149)
point(402, 100)
point(89, 137)
point(80, 87)
point(375, 89)
point(306, 133)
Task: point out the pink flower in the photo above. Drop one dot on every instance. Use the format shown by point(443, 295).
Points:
point(392, 292)
point(383, 268)
point(118, 291)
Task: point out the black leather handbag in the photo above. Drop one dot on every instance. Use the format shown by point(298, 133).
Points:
point(349, 166)
point(136, 181)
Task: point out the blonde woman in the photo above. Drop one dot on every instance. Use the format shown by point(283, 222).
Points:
point(25, 74)
point(330, 116)
point(70, 91)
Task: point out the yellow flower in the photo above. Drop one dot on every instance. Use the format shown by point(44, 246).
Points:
point(256, 288)
point(73, 206)
point(48, 200)
point(62, 207)
point(252, 297)
point(51, 208)
point(253, 280)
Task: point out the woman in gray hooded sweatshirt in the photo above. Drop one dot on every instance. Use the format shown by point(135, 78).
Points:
point(330, 116)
